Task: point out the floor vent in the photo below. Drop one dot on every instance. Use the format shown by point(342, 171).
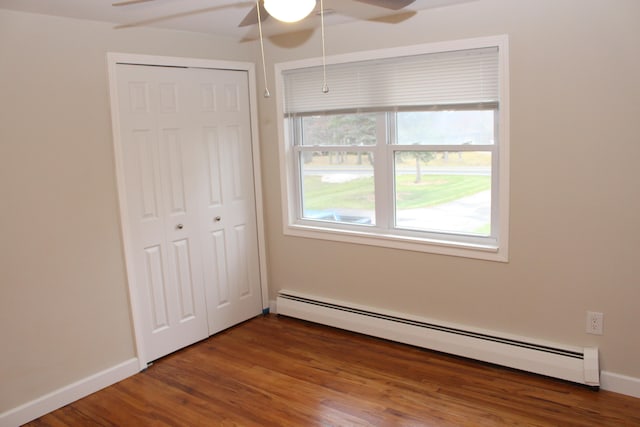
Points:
point(574, 364)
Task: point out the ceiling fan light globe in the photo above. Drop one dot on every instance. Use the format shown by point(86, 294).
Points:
point(289, 10)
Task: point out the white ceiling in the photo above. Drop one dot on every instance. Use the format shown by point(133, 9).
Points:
point(219, 17)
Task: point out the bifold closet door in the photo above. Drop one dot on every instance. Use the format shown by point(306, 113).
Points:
point(190, 215)
point(227, 203)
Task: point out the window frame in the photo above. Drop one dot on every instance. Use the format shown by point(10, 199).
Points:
point(494, 248)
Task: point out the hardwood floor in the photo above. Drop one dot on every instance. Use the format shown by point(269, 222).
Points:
point(277, 371)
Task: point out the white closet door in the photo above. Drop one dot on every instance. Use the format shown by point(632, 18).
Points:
point(159, 150)
point(191, 215)
point(227, 203)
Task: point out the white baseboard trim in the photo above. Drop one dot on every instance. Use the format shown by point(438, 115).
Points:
point(620, 383)
point(67, 394)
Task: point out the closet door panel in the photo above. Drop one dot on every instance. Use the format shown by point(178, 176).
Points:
point(228, 210)
point(162, 215)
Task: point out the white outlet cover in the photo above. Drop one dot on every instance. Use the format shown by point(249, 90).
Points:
point(595, 323)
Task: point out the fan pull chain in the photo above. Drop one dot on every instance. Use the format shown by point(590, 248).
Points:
point(325, 87)
point(264, 66)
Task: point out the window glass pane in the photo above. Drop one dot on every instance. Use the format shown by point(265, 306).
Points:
point(446, 127)
point(443, 191)
point(338, 186)
point(339, 129)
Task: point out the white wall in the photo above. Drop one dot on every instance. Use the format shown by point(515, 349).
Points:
point(575, 142)
point(64, 312)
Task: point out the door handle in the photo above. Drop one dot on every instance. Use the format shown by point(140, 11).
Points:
point(179, 226)
point(217, 219)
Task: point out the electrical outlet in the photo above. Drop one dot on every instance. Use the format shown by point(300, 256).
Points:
point(595, 322)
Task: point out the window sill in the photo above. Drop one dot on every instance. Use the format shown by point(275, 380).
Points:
point(486, 252)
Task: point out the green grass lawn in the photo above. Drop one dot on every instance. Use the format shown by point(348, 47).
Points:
point(359, 193)
point(437, 189)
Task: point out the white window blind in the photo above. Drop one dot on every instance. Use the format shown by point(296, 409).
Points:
point(458, 77)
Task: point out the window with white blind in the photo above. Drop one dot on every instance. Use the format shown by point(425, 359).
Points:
point(408, 149)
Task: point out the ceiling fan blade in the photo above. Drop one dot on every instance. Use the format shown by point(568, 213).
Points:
point(388, 4)
point(128, 2)
point(394, 18)
point(252, 16)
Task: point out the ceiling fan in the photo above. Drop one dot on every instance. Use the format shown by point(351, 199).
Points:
point(280, 9)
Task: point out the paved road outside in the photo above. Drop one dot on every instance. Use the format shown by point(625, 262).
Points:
point(466, 215)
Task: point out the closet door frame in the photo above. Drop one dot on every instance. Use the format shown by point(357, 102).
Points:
point(113, 59)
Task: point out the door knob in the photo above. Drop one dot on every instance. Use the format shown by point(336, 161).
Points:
point(179, 226)
point(217, 219)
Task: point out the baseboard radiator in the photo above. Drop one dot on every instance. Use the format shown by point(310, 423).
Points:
point(579, 365)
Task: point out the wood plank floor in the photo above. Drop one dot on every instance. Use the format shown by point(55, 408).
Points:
point(277, 371)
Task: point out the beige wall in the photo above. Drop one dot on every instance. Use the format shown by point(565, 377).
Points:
point(574, 202)
point(64, 311)
point(575, 142)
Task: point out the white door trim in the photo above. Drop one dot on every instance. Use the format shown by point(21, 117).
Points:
point(113, 59)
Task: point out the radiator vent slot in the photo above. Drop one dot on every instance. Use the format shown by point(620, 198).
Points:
point(573, 364)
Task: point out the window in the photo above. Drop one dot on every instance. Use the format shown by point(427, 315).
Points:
point(407, 150)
